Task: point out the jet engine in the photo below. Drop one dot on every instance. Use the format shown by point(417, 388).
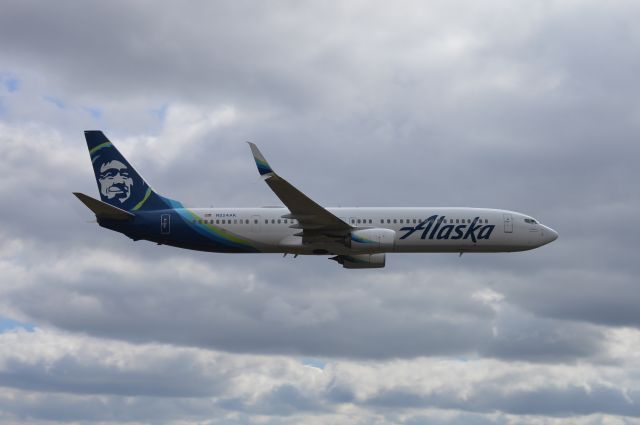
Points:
point(361, 261)
point(372, 240)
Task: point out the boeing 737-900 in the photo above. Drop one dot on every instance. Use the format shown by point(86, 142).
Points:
point(357, 238)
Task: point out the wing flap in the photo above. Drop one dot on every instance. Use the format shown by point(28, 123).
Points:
point(102, 209)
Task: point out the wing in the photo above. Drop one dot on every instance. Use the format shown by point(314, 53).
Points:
point(102, 209)
point(311, 217)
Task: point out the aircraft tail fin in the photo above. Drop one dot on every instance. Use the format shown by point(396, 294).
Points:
point(119, 183)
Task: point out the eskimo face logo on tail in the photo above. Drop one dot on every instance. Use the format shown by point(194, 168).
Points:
point(115, 181)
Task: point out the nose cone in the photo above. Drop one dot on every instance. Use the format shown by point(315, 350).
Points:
point(548, 235)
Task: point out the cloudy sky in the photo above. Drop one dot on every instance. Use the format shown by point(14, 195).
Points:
point(532, 106)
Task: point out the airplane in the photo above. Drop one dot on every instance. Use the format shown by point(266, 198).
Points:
point(356, 238)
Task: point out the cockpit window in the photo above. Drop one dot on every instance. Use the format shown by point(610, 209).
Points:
point(530, 221)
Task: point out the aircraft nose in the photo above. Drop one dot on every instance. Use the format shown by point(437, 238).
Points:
point(549, 235)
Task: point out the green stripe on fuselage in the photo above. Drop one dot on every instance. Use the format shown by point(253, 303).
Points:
point(221, 232)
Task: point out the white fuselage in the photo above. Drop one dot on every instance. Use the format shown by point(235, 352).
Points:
point(356, 238)
point(416, 229)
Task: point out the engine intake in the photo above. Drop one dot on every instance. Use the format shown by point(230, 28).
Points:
point(372, 240)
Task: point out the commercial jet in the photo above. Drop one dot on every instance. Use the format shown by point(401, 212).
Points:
point(356, 238)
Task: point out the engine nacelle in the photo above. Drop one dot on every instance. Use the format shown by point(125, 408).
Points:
point(374, 240)
point(361, 261)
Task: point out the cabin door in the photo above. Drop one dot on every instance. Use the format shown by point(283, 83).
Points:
point(508, 223)
point(165, 224)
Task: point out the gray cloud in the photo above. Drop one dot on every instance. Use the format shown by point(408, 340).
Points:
point(531, 107)
point(374, 316)
point(79, 378)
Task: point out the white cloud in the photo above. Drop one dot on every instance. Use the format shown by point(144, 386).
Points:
point(45, 368)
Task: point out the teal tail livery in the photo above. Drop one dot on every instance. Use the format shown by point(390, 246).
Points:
point(356, 238)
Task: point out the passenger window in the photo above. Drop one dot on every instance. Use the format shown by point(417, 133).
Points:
point(273, 221)
point(382, 221)
point(401, 221)
point(395, 221)
point(370, 221)
point(414, 221)
point(278, 221)
point(388, 221)
point(358, 221)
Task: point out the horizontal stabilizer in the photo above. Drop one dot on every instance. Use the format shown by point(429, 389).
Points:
point(102, 209)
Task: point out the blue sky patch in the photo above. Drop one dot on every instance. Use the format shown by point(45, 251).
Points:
point(8, 324)
point(95, 113)
point(160, 112)
point(310, 361)
point(11, 84)
point(56, 101)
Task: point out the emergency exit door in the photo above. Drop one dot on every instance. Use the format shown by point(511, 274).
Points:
point(508, 223)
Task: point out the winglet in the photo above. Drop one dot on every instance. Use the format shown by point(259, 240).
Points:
point(261, 162)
